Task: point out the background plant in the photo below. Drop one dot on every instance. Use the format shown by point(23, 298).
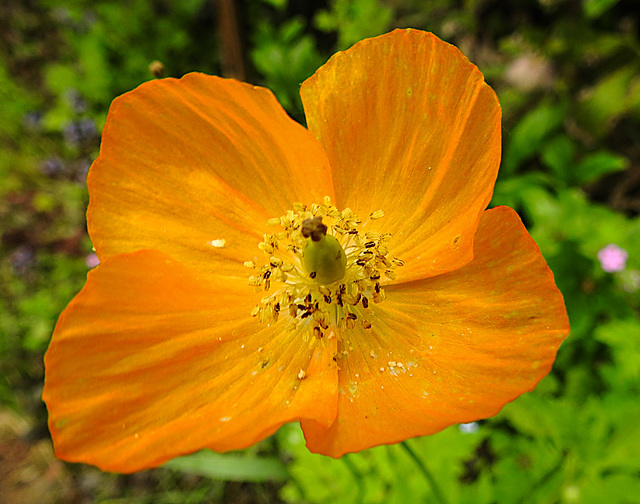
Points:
point(568, 76)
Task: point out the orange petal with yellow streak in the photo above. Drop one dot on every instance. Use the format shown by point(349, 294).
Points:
point(410, 128)
point(201, 160)
point(150, 362)
point(449, 349)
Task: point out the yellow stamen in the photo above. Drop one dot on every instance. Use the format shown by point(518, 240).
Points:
point(321, 272)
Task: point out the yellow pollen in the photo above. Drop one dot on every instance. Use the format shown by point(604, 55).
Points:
point(317, 308)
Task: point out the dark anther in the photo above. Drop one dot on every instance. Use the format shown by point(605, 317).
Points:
point(352, 316)
point(276, 307)
point(365, 302)
point(305, 315)
point(308, 298)
point(266, 274)
point(361, 262)
point(313, 228)
point(327, 299)
point(312, 275)
point(370, 244)
point(377, 288)
point(375, 276)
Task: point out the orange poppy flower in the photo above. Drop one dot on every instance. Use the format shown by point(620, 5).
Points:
point(212, 320)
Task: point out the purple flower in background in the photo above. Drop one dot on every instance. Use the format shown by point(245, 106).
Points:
point(52, 167)
point(79, 132)
point(22, 259)
point(33, 119)
point(82, 169)
point(76, 100)
point(613, 258)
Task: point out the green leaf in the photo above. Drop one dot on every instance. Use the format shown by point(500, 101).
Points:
point(598, 164)
point(595, 8)
point(355, 20)
point(384, 475)
point(96, 78)
point(599, 107)
point(285, 56)
point(558, 154)
point(278, 4)
point(511, 191)
point(230, 466)
point(623, 337)
point(619, 488)
point(529, 134)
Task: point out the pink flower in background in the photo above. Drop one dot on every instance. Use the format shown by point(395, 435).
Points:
point(613, 258)
point(92, 260)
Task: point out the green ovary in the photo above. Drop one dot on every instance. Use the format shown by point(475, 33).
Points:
point(325, 259)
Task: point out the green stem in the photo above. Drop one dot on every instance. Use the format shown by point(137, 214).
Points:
point(554, 471)
point(357, 476)
point(426, 473)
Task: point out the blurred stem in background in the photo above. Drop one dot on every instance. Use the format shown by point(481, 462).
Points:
point(232, 55)
point(435, 488)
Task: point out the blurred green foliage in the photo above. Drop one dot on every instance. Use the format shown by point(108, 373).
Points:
point(568, 76)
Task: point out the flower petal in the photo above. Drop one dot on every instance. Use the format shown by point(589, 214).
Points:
point(197, 165)
point(410, 128)
point(149, 362)
point(449, 349)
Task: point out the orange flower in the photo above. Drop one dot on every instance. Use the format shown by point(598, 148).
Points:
point(202, 326)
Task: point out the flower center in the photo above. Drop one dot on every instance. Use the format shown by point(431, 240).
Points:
point(323, 271)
